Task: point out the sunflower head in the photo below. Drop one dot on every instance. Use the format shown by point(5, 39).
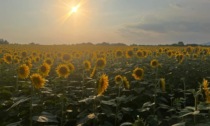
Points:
point(100, 63)
point(118, 79)
point(7, 58)
point(71, 67)
point(138, 73)
point(28, 63)
point(126, 83)
point(87, 65)
point(24, 54)
point(66, 57)
point(118, 53)
point(102, 84)
point(49, 61)
point(154, 63)
point(180, 58)
point(140, 54)
point(44, 69)
point(129, 53)
point(37, 80)
point(16, 61)
point(23, 71)
point(63, 70)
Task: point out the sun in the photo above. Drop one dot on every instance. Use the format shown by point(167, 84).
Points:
point(74, 9)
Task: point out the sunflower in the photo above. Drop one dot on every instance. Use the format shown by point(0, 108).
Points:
point(118, 53)
point(23, 71)
point(87, 65)
point(118, 79)
point(180, 58)
point(16, 60)
point(140, 54)
point(100, 63)
point(126, 83)
point(63, 70)
point(93, 72)
point(28, 63)
point(129, 53)
point(154, 63)
point(163, 84)
point(24, 54)
point(71, 67)
point(49, 61)
point(44, 69)
point(7, 58)
point(102, 84)
point(138, 73)
point(37, 80)
point(66, 57)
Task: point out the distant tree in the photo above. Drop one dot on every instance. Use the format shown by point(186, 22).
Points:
point(180, 43)
point(2, 41)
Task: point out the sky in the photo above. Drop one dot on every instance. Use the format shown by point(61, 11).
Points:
point(147, 22)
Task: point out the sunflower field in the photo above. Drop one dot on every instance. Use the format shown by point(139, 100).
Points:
point(95, 85)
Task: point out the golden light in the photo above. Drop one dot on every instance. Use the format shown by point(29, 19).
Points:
point(74, 9)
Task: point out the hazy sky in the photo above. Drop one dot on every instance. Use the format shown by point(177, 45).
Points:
point(126, 21)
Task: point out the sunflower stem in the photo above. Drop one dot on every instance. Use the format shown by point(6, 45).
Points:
point(31, 107)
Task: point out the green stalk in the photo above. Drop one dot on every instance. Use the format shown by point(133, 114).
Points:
point(116, 120)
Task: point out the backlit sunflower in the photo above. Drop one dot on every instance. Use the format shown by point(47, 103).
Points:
point(126, 83)
point(37, 80)
point(24, 54)
point(100, 63)
point(87, 65)
point(44, 69)
point(28, 63)
point(118, 79)
point(7, 58)
point(16, 61)
point(138, 73)
point(63, 70)
point(154, 63)
point(102, 84)
point(23, 71)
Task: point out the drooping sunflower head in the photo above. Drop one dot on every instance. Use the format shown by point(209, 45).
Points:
point(102, 84)
point(126, 83)
point(154, 63)
point(118, 79)
point(44, 69)
point(87, 65)
point(138, 73)
point(63, 70)
point(23, 71)
point(7, 58)
point(37, 80)
point(100, 63)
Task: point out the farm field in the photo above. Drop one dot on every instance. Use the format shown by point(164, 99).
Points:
point(93, 85)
